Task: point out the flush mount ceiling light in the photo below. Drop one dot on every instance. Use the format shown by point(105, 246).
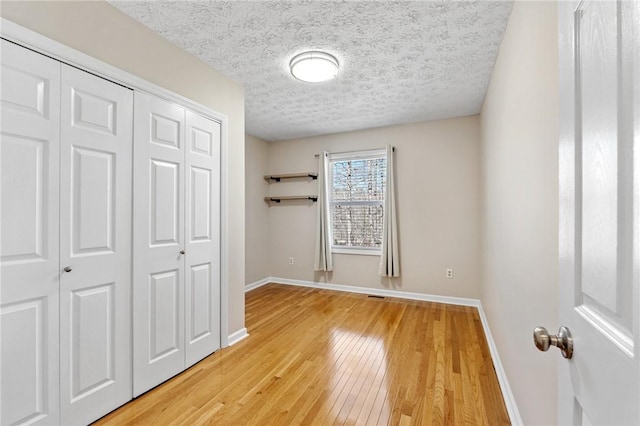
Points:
point(314, 67)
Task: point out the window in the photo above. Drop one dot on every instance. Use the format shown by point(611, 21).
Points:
point(356, 199)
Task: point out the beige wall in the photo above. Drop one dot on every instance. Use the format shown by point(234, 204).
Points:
point(257, 211)
point(438, 187)
point(102, 31)
point(520, 205)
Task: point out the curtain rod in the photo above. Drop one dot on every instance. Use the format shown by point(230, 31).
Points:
point(357, 150)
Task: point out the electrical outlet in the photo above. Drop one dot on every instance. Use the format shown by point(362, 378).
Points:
point(291, 261)
point(449, 273)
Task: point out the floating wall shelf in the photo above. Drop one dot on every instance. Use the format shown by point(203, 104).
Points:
point(278, 177)
point(277, 199)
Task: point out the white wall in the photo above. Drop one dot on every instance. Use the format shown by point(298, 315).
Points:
point(438, 195)
point(102, 31)
point(519, 125)
point(257, 211)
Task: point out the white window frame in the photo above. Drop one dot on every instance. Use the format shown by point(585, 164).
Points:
point(349, 156)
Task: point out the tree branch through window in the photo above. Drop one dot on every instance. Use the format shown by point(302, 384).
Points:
point(357, 188)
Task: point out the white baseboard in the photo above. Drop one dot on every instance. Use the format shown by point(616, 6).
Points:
point(379, 292)
point(509, 399)
point(237, 336)
point(257, 284)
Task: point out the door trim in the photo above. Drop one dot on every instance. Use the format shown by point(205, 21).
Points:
point(37, 42)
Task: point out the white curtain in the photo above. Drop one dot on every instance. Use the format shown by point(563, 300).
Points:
point(390, 260)
point(323, 260)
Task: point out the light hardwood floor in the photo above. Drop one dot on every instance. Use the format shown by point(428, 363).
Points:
point(319, 357)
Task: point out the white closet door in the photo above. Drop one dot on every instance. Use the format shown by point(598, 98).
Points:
point(202, 238)
point(95, 243)
point(158, 290)
point(29, 222)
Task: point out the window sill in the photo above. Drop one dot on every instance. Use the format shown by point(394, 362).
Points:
point(358, 251)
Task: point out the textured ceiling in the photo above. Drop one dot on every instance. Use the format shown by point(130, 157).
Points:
point(401, 61)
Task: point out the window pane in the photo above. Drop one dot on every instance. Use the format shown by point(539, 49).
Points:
point(359, 180)
point(357, 225)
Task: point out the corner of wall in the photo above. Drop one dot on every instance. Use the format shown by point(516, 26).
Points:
point(256, 210)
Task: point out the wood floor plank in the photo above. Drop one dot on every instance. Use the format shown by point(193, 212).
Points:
point(323, 357)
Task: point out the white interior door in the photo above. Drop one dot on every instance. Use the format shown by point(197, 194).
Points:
point(202, 280)
point(600, 211)
point(95, 244)
point(29, 225)
point(158, 289)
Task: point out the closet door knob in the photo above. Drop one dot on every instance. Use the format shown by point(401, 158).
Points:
point(182, 252)
point(67, 268)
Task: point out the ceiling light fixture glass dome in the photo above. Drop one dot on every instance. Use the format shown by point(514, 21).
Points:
point(314, 66)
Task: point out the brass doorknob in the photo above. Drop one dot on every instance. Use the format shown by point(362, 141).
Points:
point(563, 340)
point(67, 269)
point(182, 252)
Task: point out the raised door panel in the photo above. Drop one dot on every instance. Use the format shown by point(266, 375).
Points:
point(163, 315)
point(165, 130)
point(598, 60)
point(26, 91)
point(93, 321)
point(29, 283)
point(95, 243)
point(158, 288)
point(203, 238)
point(93, 112)
point(93, 202)
point(200, 223)
point(164, 214)
point(200, 302)
point(26, 372)
point(24, 240)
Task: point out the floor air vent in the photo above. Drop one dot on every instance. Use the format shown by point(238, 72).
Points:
point(375, 296)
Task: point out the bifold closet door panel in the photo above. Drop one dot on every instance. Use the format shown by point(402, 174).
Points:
point(30, 264)
point(158, 287)
point(202, 275)
point(95, 246)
